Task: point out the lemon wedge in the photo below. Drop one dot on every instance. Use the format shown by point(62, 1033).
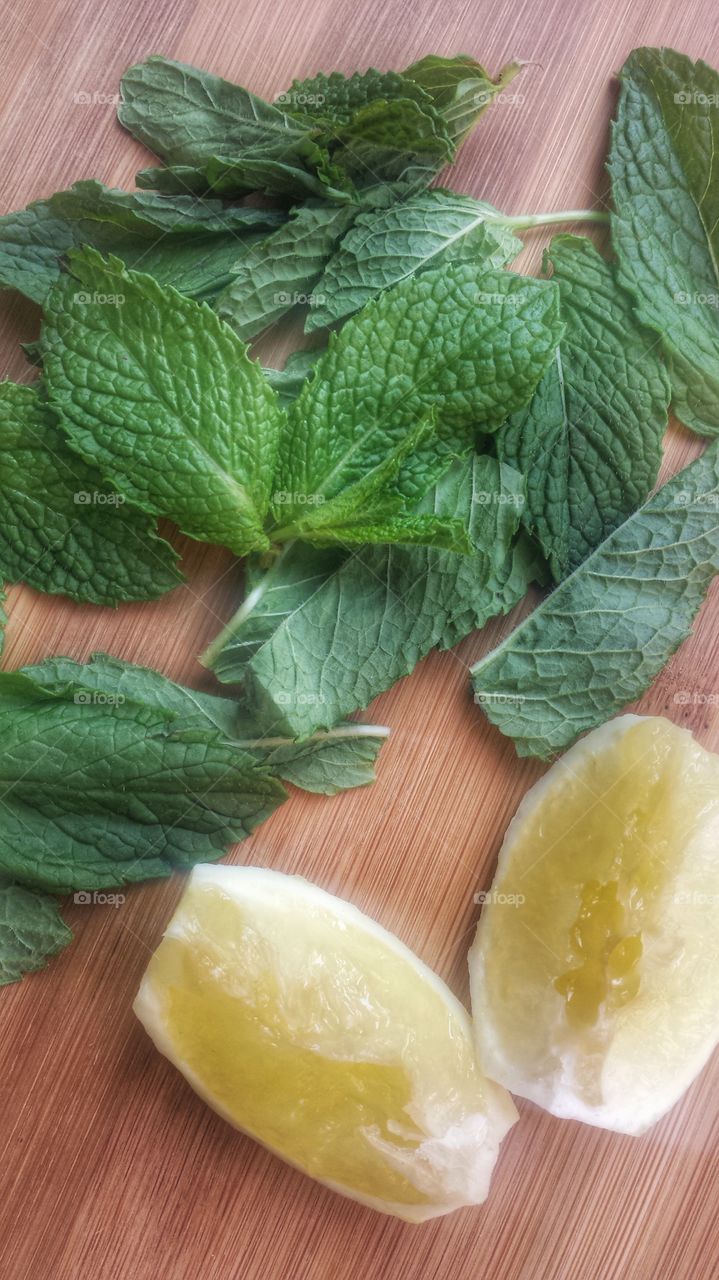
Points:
point(309, 1027)
point(595, 968)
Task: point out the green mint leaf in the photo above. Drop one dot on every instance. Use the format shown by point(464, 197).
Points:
point(216, 136)
point(327, 763)
point(272, 595)
point(386, 246)
point(31, 931)
point(335, 99)
point(158, 393)
point(190, 244)
point(471, 343)
point(64, 531)
point(281, 272)
point(400, 140)
point(366, 511)
point(590, 441)
point(408, 530)
point(324, 640)
point(186, 116)
point(99, 791)
point(597, 642)
point(460, 88)
point(108, 681)
point(288, 382)
point(665, 227)
point(219, 176)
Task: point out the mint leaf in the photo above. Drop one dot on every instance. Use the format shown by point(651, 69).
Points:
point(387, 245)
point(216, 136)
point(314, 647)
point(232, 178)
point(186, 115)
point(157, 392)
point(288, 382)
point(384, 125)
point(471, 343)
point(408, 530)
point(335, 99)
point(99, 792)
point(400, 140)
point(326, 763)
point(281, 272)
point(459, 88)
point(665, 228)
point(599, 640)
point(31, 931)
point(366, 511)
point(190, 244)
point(590, 440)
point(64, 531)
point(271, 596)
point(108, 681)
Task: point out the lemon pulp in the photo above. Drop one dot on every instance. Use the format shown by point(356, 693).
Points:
point(597, 992)
point(313, 1030)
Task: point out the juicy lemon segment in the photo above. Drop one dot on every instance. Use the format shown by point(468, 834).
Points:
point(312, 1029)
point(595, 969)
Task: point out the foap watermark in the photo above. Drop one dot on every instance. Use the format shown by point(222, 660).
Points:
point(284, 299)
point(696, 698)
point(685, 499)
point(96, 98)
point(485, 96)
point(96, 498)
point(299, 98)
point(285, 699)
point(493, 897)
point(85, 899)
point(500, 699)
point(695, 98)
point(499, 299)
point(489, 498)
point(695, 898)
point(99, 299)
point(683, 299)
point(94, 698)
point(284, 498)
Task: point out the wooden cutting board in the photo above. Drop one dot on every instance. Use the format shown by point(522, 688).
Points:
point(110, 1166)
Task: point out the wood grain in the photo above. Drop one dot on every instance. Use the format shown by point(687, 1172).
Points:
point(110, 1167)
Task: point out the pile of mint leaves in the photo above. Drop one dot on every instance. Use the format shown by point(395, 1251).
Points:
point(456, 433)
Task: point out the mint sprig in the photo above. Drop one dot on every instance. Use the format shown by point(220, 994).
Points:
point(321, 634)
point(155, 391)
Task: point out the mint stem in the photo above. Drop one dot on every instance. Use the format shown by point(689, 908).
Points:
point(246, 608)
point(357, 729)
point(523, 222)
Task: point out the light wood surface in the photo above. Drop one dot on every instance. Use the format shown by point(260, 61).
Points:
point(110, 1168)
